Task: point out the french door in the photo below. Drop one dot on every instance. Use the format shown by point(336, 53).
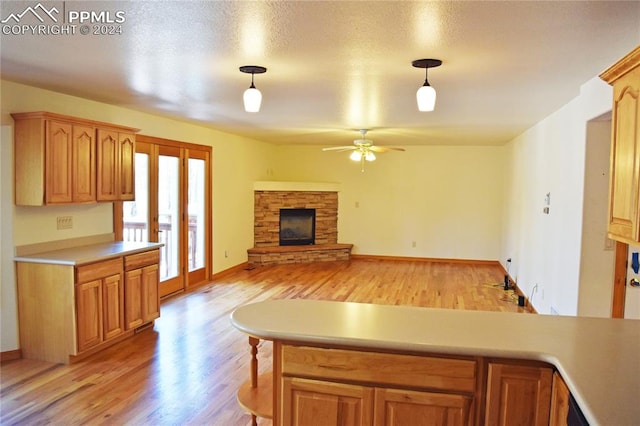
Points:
point(172, 206)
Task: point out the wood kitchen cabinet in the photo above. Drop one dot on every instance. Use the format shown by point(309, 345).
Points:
point(559, 401)
point(394, 407)
point(142, 277)
point(518, 394)
point(116, 151)
point(67, 312)
point(100, 303)
point(624, 185)
point(59, 160)
point(353, 387)
point(326, 403)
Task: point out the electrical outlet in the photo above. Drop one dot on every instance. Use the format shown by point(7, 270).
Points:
point(357, 204)
point(609, 244)
point(413, 244)
point(64, 222)
point(226, 253)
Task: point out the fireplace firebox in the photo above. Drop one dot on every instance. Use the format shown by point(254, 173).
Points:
point(297, 227)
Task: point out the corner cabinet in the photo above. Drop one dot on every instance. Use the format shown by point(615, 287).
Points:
point(67, 312)
point(68, 160)
point(624, 188)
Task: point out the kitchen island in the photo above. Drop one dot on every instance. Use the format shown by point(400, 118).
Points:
point(352, 345)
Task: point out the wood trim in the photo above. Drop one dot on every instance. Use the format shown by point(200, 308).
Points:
point(623, 66)
point(10, 355)
point(67, 118)
point(173, 143)
point(619, 280)
point(424, 259)
point(229, 271)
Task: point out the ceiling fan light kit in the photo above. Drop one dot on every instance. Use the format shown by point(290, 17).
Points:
point(363, 149)
point(426, 95)
point(252, 97)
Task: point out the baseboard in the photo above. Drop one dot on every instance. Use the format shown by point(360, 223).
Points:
point(228, 271)
point(10, 355)
point(424, 259)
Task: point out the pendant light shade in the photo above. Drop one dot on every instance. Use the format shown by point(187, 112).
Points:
point(426, 95)
point(252, 97)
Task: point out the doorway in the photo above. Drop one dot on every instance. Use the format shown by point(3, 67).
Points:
point(172, 206)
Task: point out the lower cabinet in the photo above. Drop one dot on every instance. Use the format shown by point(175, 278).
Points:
point(314, 402)
point(317, 402)
point(321, 386)
point(518, 394)
point(559, 401)
point(67, 312)
point(141, 288)
point(394, 407)
point(99, 303)
point(343, 387)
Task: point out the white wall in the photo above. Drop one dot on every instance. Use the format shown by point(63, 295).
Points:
point(445, 199)
point(550, 158)
point(597, 259)
point(237, 163)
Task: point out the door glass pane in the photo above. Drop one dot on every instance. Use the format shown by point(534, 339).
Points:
point(168, 209)
point(135, 214)
point(196, 213)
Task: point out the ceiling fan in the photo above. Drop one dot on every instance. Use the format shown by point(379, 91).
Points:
point(363, 149)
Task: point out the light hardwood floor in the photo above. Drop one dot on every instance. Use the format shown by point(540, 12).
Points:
point(186, 370)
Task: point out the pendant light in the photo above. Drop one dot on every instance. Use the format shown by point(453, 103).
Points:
point(426, 95)
point(252, 96)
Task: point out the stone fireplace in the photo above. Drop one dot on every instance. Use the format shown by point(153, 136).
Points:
point(270, 198)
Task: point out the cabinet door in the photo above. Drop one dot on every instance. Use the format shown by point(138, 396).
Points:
point(89, 314)
point(314, 402)
point(108, 157)
point(84, 164)
point(559, 401)
point(150, 293)
point(113, 298)
point(126, 164)
point(133, 298)
point(58, 159)
point(518, 395)
point(397, 407)
point(624, 210)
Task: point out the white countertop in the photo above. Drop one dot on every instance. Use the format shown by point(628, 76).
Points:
point(598, 358)
point(88, 254)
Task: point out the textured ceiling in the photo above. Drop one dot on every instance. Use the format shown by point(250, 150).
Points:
point(333, 67)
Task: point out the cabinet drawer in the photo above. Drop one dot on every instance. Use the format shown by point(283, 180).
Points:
point(98, 270)
point(139, 260)
point(380, 368)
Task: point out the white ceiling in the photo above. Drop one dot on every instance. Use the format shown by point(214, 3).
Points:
point(333, 67)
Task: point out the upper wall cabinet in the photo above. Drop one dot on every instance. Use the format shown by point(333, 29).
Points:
point(624, 187)
point(67, 160)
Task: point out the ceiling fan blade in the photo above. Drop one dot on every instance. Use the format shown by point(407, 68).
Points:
point(339, 148)
point(385, 148)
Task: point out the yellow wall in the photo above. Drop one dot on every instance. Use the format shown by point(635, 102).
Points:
point(237, 163)
point(448, 200)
